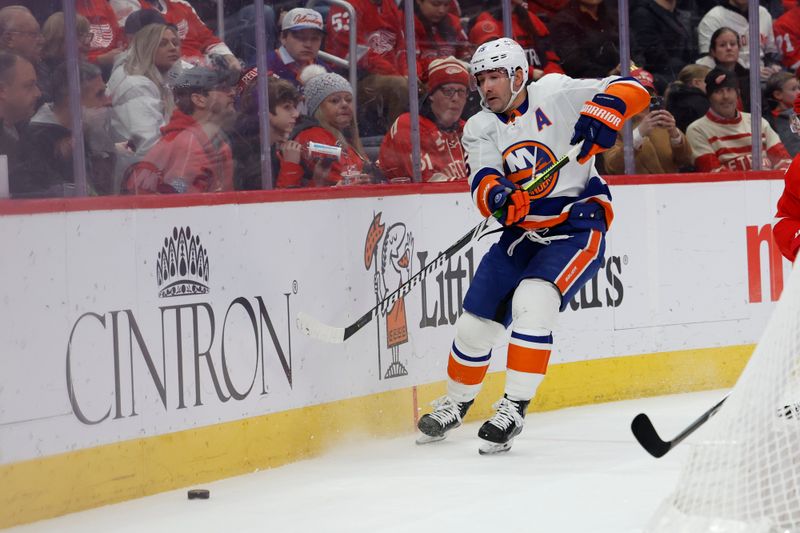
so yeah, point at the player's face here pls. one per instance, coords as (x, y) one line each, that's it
(447, 103)
(434, 10)
(284, 119)
(723, 102)
(302, 45)
(726, 49)
(337, 109)
(495, 87)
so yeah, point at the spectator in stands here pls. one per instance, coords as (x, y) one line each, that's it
(586, 38)
(787, 229)
(44, 167)
(331, 121)
(18, 96)
(545, 10)
(529, 31)
(660, 40)
(285, 154)
(659, 147)
(686, 98)
(141, 101)
(302, 32)
(139, 19)
(440, 128)
(107, 40)
(193, 155)
(383, 78)
(787, 35)
(53, 49)
(197, 40)
(20, 33)
(438, 34)
(724, 52)
(733, 14)
(721, 140)
(781, 92)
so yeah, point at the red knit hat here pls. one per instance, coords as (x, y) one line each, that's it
(446, 70)
(645, 78)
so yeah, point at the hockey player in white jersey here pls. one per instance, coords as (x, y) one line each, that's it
(554, 235)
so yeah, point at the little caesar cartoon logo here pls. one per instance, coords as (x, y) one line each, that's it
(182, 265)
(524, 159)
(391, 270)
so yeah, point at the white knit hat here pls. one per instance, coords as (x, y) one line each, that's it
(317, 86)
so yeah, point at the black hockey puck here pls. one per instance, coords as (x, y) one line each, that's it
(199, 494)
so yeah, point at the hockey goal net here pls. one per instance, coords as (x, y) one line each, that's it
(743, 469)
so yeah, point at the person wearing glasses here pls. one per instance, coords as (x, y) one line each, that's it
(440, 128)
(20, 33)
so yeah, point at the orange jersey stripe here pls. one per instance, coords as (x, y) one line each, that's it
(527, 360)
(582, 259)
(468, 375)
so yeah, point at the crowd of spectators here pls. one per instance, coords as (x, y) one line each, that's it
(170, 102)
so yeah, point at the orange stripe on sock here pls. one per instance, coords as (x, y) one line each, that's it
(579, 264)
(527, 360)
(468, 375)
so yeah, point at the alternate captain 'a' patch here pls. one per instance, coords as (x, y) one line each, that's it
(523, 159)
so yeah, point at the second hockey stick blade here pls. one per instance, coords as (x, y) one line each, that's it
(646, 433)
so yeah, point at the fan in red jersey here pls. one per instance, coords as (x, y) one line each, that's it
(787, 229)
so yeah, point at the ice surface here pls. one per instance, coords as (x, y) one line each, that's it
(575, 470)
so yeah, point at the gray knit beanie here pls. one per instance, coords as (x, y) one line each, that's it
(321, 86)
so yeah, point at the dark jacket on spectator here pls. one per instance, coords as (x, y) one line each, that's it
(780, 120)
(686, 103)
(660, 40)
(588, 48)
(44, 164)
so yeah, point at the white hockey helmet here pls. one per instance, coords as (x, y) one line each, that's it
(503, 53)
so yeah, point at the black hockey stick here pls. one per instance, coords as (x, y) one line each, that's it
(314, 328)
(647, 436)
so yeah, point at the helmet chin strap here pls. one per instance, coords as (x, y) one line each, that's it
(511, 99)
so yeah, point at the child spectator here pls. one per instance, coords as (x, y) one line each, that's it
(787, 35)
(781, 92)
(686, 98)
(440, 128)
(142, 102)
(721, 141)
(283, 114)
(659, 146)
(383, 80)
(44, 167)
(193, 154)
(196, 38)
(586, 38)
(107, 39)
(53, 49)
(302, 31)
(529, 31)
(330, 121)
(725, 52)
(733, 14)
(438, 34)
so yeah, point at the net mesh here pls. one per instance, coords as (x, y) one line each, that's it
(743, 473)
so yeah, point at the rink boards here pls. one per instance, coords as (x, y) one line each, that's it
(149, 343)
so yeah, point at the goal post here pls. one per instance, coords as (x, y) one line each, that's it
(742, 474)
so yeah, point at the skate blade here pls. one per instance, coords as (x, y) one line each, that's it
(493, 448)
(427, 439)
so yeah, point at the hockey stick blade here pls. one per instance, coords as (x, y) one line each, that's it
(648, 437)
(316, 329)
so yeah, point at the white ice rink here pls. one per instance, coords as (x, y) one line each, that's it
(576, 470)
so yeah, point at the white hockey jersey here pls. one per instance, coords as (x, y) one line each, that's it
(533, 139)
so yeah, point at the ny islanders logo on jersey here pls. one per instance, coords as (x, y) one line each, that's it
(522, 160)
